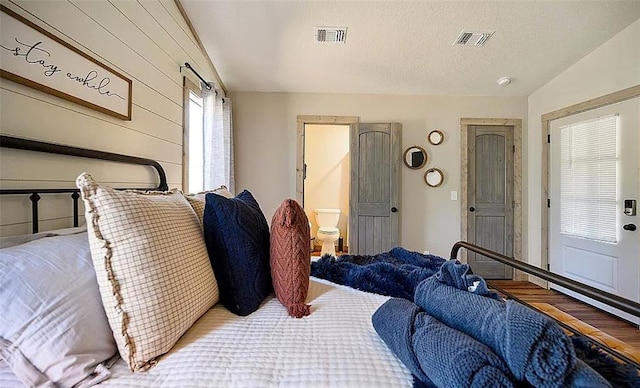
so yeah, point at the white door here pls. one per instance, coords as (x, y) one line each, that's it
(594, 169)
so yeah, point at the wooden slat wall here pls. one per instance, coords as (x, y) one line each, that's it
(144, 40)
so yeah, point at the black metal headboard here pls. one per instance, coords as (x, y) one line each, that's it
(38, 146)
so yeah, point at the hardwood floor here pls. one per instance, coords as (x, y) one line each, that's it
(606, 322)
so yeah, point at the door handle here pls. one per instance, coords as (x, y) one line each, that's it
(472, 209)
(629, 227)
(394, 209)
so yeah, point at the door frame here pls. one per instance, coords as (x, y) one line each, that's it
(517, 183)
(302, 120)
(595, 103)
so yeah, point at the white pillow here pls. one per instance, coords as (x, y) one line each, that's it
(152, 266)
(53, 328)
(11, 241)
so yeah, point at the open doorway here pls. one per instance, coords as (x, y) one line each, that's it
(375, 159)
(323, 177)
(326, 184)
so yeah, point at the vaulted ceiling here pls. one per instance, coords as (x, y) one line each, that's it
(402, 47)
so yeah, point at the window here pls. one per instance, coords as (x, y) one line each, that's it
(589, 169)
(193, 158)
(207, 160)
(196, 151)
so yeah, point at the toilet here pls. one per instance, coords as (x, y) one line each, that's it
(328, 233)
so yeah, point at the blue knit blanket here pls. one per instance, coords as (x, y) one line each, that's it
(395, 273)
(534, 348)
(436, 354)
(398, 272)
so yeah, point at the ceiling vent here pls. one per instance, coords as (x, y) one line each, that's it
(331, 34)
(469, 38)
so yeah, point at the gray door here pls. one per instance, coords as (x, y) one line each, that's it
(375, 186)
(490, 185)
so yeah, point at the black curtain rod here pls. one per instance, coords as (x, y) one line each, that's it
(188, 66)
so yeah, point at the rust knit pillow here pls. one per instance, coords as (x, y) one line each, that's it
(290, 257)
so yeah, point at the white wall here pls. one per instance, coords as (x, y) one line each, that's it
(326, 155)
(613, 66)
(146, 42)
(265, 143)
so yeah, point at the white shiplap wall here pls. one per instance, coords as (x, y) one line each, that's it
(144, 40)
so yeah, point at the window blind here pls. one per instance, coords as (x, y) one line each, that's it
(589, 161)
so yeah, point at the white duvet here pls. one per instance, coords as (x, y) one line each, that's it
(335, 346)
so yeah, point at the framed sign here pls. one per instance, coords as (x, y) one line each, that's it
(34, 57)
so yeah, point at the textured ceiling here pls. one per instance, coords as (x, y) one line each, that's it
(402, 47)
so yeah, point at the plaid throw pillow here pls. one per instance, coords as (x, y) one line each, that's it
(197, 201)
(152, 267)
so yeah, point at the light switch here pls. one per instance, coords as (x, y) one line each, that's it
(454, 195)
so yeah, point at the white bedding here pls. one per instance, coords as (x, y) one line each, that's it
(335, 346)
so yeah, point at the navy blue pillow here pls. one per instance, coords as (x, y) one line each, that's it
(237, 237)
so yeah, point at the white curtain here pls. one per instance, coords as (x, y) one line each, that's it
(218, 140)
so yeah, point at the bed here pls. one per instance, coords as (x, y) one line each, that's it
(334, 344)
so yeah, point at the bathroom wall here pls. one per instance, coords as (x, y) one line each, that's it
(326, 155)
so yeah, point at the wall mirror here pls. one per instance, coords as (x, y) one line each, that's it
(434, 177)
(436, 137)
(415, 157)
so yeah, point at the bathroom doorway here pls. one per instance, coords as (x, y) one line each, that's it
(328, 148)
(375, 151)
(326, 177)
